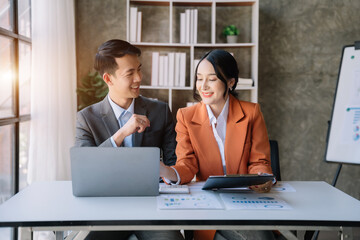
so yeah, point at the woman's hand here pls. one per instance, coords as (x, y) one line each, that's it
(263, 188)
(168, 172)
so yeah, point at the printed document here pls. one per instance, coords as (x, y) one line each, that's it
(188, 201)
(253, 201)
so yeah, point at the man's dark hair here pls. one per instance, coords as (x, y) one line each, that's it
(225, 67)
(108, 51)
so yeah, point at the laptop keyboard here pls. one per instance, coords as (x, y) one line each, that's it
(173, 189)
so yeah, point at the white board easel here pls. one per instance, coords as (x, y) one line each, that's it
(343, 144)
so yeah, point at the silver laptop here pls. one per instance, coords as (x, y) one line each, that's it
(106, 171)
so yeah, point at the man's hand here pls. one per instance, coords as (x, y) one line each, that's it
(137, 123)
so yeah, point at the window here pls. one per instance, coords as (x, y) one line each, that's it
(15, 81)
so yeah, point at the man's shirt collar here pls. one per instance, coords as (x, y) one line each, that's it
(119, 110)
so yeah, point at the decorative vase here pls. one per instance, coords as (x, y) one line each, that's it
(232, 38)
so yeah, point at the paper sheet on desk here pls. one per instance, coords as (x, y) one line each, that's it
(253, 201)
(282, 187)
(188, 201)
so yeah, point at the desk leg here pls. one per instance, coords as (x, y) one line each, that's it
(288, 234)
(59, 235)
(346, 233)
(25, 233)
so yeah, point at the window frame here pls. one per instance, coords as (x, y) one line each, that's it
(17, 118)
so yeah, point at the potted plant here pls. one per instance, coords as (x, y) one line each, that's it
(92, 90)
(231, 32)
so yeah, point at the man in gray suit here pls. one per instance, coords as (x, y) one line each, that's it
(125, 119)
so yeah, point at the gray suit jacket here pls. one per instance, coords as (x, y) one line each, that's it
(97, 123)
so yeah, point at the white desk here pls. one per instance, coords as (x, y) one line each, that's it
(51, 205)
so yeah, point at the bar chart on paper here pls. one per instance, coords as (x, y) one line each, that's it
(253, 201)
(188, 201)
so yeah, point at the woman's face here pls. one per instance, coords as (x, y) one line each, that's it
(210, 87)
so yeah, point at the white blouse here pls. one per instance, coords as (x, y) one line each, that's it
(219, 129)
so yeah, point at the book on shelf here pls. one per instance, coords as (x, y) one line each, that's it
(166, 71)
(135, 25)
(155, 69)
(138, 27)
(177, 70)
(182, 70)
(195, 30)
(245, 82)
(182, 28)
(161, 71)
(191, 30)
(171, 76)
(189, 26)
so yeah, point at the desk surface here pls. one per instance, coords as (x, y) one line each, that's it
(52, 204)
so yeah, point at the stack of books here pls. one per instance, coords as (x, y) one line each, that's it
(189, 26)
(168, 70)
(245, 82)
(135, 25)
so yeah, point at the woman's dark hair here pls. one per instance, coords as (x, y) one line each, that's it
(108, 51)
(225, 67)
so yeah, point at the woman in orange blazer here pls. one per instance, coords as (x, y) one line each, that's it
(245, 147)
(220, 135)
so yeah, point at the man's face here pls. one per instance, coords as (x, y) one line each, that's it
(125, 82)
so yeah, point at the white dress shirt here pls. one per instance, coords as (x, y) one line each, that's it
(122, 115)
(219, 129)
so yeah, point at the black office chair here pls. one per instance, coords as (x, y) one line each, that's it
(274, 156)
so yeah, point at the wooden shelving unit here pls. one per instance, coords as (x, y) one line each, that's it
(246, 53)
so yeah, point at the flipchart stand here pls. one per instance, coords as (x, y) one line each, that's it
(347, 232)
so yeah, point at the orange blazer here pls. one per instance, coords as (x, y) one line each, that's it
(247, 148)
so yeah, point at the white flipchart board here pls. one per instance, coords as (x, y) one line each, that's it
(344, 136)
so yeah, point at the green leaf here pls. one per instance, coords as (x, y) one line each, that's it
(230, 30)
(92, 90)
